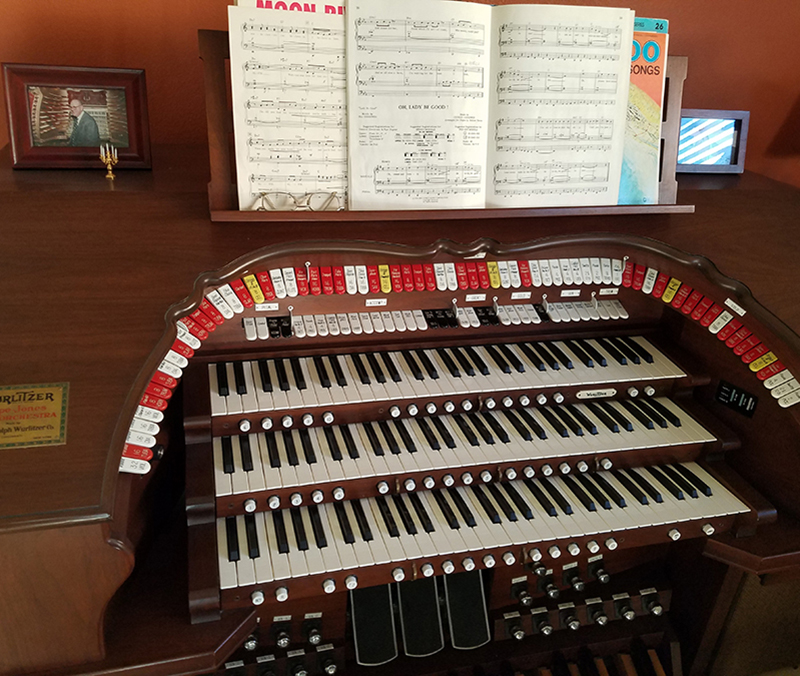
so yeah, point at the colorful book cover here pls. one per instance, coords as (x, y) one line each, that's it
(641, 159)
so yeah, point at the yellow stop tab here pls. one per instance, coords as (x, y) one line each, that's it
(671, 290)
(494, 274)
(386, 278)
(763, 361)
(254, 288)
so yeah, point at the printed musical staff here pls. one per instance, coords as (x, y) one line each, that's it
(520, 177)
(428, 178)
(397, 35)
(526, 134)
(524, 36)
(419, 80)
(290, 39)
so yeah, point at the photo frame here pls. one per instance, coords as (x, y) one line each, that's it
(712, 141)
(59, 116)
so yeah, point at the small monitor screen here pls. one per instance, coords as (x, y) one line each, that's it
(707, 141)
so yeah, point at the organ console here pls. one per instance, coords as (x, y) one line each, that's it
(404, 458)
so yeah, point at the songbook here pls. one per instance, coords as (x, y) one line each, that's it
(641, 161)
(464, 105)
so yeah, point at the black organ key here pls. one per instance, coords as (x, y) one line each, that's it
(280, 532)
(554, 422)
(528, 350)
(645, 485)
(497, 428)
(333, 443)
(338, 373)
(637, 348)
(594, 491)
(547, 357)
(405, 436)
(612, 351)
(602, 416)
(405, 515)
(420, 617)
(630, 486)
(535, 427)
(388, 517)
(377, 371)
(520, 502)
(299, 528)
(444, 433)
(272, 450)
(394, 374)
(576, 413)
(289, 447)
(594, 353)
(308, 447)
(586, 663)
(387, 434)
(475, 358)
(609, 490)
(344, 522)
(580, 353)
(676, 492)
(466, 430)
(512, 359)
(372, 437)
(703, 487)
(579, 493)
(679, 479)
(650, 412)
(623, 422)
(316, 526)
(297, 372)
(421, 512)
(559, 354)
(502, 364)
(462, 507)
(447, 512)
(663, 410)
(491, 512)
(238, 377)
(638, 414)
(416, 371)
(630, 354)
(640, 658)
(501, 501)
(430, 437)
(222, 379)
(568, 420)
(463, 361)
(232, 538)
(447, 360)
(280, 372)
(266, 379)
(477, 423)
(349, 442)
(247, 454)
(543, 500)
(372, 614)
(518, 425)
(361, 520)
(560, 499)
(227, 455)
(253, 550)
(322, 372)
(466, 606)
(427, 364)
(361, 371)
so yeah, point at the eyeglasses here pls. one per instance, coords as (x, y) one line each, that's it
(311, 201)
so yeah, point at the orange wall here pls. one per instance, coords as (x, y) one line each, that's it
(743, 55)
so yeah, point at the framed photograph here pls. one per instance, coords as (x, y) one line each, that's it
(59, 116)
(712, 141)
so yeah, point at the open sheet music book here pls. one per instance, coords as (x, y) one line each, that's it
(449, 104)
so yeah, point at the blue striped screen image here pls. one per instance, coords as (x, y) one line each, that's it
(707, 141)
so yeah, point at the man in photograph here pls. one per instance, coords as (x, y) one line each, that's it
(84, 128)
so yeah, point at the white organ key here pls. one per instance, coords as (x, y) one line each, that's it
(469, 534)
(305, 474)
(288, 472)
(233, 401)
(605, 269)
(249, 398)
(398, 321)
(441, 277)
(377, 546)
(264, 399)
(586, 270)
(344, 324)
(290, 280)
(321, 325)
(272, 475)
(419, 318)
(347, 553)
(361, 547)
(408, 542)
(256, 477)
(297, 557)
(547, 278)
(329, 553)
(239, 482)
(451, 277)
(222, 481)
(249, 324)
(314, 555)
(448, 539)
(378, 462)
(649, 280)
(513, 271)
(277, 283)
(566, 271)
(263, 564)
(410, 321)
(245, 569)
(322, 448)
(281, 569)
(597, 270)
(216, 299)
(555, 272)
(362, 280)
(227, 569)
(310, 325)
(333, 325)
(364, 392)
(393, 545)
(366, 322)
(489, 535)
(350, 282)
(505, 277)
(536, 275)
(355, 323)
(280, 397)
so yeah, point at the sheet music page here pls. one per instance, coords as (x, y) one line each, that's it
(289, 102)
(417, 93)
(559, 101)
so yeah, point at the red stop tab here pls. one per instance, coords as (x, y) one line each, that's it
(483, 275)
(639, 272)
(627, 275)
(203, 319)
(183, 349)
(301, 276)
(711, 315)
(207, 311)
(755, 353)
(525, 273)
(472, 275)
(138, 452)
(396, 277)
(242, 293)
(746, 345)
(161, 378)
(430, 276)
(461, 276)
(681, 296)
(374, 279)
(661, 283)
(408, 277)
(419, 277)
(339, 285)
(266, 285)
(729, 328)
(701, 308)
(153, 402)
(738, 337)
(691, 301)
(194, 328)
(326, 279)
(772, 370)
(159, 391)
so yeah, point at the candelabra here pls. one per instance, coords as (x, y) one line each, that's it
(108, 156)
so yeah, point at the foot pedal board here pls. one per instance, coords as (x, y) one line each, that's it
(466, 610)
(420, 617)
(373, 625)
